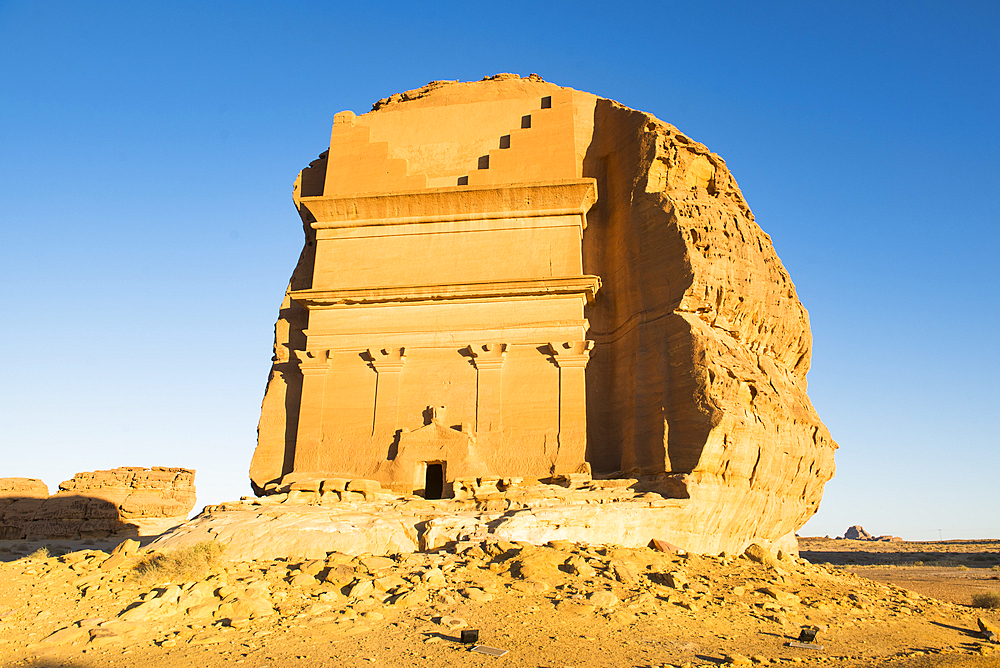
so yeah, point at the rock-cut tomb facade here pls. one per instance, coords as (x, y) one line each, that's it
(516, 282)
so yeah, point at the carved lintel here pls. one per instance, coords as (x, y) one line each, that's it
(388, 359)
(586, 286)
(488, 355)
(313, 361)
(568, 354)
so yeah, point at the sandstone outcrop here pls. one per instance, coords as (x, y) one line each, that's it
(580, 285)
(124, 501)
(16, 488)
(11, 488)
(857, 532)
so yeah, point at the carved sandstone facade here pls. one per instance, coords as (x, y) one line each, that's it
(508, 278)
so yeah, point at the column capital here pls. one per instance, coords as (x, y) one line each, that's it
(488, 355)
(313, 361)
(387, 359)
(569, 354)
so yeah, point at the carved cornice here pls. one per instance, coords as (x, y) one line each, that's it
(570, 354)
(538, 287)
(313, 361)
(387, 360)
(488, 355)
(435, 205)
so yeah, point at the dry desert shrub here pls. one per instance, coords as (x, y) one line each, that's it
(40, 553)
(989, 599)
(943, 562)
(188, 563)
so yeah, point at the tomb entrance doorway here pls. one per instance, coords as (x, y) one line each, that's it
(434, 480)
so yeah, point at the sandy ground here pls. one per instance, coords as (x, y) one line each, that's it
(555, 607)
(952, 570)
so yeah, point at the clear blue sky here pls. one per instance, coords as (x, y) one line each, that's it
(147, 152)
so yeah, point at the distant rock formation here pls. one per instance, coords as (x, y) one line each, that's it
(857, 532)
(127, 501)
(583, 287)
(11, 488)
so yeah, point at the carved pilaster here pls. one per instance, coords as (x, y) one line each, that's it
(388, 364)
(489, 359)
(571, 357)
(314, 365)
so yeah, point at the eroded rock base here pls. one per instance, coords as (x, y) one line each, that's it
(315, 517)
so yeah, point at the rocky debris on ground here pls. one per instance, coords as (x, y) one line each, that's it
(857, 532)
(106, 602)
(124, 501)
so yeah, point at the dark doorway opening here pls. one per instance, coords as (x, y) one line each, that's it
(434, 485)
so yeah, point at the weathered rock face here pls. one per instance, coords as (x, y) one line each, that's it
(349, 517)
(705, 380)
(443, 251)
(124, 501)
(309, 517)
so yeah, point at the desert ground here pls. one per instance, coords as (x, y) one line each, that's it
(876, 604)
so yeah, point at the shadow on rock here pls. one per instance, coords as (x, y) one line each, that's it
(972, 633)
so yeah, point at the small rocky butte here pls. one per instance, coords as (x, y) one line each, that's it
(530, 312)
(125, 502)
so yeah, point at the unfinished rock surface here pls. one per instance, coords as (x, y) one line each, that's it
(580, 285)
(127, 501)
